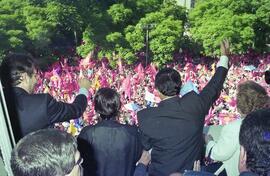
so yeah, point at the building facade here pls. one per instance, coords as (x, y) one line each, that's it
(187, 3)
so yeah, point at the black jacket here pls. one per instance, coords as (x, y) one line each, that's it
(174, 129)
(31, 112)
(109, 149)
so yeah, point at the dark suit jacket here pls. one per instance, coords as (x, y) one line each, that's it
(174, 129)
(109, 149)
(31, 112)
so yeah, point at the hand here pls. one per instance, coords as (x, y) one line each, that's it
(145, 158)
(225, 47)
(84, 83)
(208, 138)
(197, 166)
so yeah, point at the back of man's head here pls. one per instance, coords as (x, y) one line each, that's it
(168, 82)
(48, 152)
(255, 138)
(13, 65)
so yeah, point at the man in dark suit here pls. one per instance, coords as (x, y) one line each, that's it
(30, 112)
(173, 130)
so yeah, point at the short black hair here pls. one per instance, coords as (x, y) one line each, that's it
(107, 103)
(168, 82)
(255, 138)
(13, 65)
(46, 152)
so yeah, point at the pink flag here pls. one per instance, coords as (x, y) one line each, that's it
(103, 81)
(140, 71)
(126, 86)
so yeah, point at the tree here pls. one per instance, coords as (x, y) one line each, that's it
(87, 44)
(213, 20)
(66, 17)
(119, 14)
(262, 25)
(39, 28)
(12, 30)
(165, 33)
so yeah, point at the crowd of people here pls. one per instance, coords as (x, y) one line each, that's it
(135, 84)
(151, 117)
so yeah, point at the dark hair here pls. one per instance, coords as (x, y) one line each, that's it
(168, 82)
(255, 138)
(47, 152)
(267, 76)
(13, 65)
(107, 103)
(251, 96)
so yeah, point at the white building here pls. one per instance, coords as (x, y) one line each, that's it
(186, 3)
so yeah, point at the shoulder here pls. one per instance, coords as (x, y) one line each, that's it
(232, 129)
(190, 96)
(234, 124)
(35, 98)
(145, 111)
(86, 131)
(133, 128)
(81, 96)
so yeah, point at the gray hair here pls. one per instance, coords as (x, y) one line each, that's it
(47, 152)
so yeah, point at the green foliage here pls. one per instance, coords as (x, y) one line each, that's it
(119, 13)
(147, 6)
(213, 20)
(165, 32)
(66, 16)
(165, 39)
(12, 30)
(88, 43)
(262, 25)
(120, 26)
(39, 28)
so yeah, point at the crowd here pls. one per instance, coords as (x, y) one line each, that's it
(151, 117)
(135, 84)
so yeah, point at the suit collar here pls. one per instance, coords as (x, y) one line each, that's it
(108, 122)
(171, 100)
(19, 91)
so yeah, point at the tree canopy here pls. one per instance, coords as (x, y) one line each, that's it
(122, 26)
(240, 21)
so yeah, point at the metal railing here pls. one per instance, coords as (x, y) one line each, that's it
(7, 141)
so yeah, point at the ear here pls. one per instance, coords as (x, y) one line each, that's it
(23, 78)
(242, 160)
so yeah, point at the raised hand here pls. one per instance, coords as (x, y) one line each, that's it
(225, 47)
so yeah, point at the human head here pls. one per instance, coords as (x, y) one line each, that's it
(254, 139)
(168, 82)
(47, 152)
(19, 70)
(107, 103)
(250, 97)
